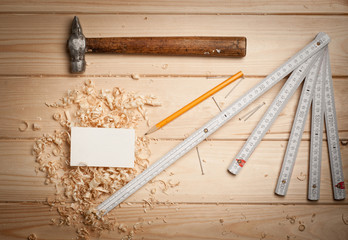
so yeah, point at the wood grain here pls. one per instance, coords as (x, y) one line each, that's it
(22, 99)
(36, 44)
(170, 46)
(182, 7)
(34, 69)
(194, 221)
(254, 184)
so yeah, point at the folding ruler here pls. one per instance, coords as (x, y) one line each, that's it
(304, 58)
(317, 90)
(323, 104)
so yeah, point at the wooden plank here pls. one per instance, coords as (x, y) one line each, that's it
(35, 44)
(24, 98)
(23, 181)
(190, 221)
(254, 184)
(181, 7)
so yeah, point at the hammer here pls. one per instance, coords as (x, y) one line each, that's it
(78, 45)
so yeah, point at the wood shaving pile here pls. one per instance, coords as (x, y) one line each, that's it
(80, 189)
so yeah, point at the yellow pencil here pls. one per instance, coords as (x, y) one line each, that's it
(195, 102)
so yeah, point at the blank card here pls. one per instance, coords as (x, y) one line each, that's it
(102, 147)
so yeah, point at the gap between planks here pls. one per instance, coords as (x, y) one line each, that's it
(180, 13)
(130, 75)
(166, 203)
(140, 75)
(5, 139)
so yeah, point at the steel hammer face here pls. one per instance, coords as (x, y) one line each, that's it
(77, 48)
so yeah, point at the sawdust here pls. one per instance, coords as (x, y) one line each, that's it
(80, 189)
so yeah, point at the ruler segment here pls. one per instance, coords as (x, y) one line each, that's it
(152, 171)
(272, 113)
(336, 168)
(317, 124)
(297, 129)
(219, 120)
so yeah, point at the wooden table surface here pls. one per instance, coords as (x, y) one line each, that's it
(34, 69)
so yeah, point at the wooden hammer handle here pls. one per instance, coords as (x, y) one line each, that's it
(174, 46)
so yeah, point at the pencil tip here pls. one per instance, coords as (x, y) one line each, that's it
(151, 130)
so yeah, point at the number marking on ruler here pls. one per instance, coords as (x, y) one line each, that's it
(198, 136)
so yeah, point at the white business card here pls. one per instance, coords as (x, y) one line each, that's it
(102, 147)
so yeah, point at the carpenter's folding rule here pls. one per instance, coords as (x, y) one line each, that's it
(304, 64)
(318, 91)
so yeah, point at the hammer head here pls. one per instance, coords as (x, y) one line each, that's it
(77, 48)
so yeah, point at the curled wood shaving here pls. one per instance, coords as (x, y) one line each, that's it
(82, 232)
(138, 226)
(172, 185)
(32, 236)
(302, 177)
(57, 116)
(146, 201)
(36, 127)
(122, 228)
(24, 126)
(165, 186)
(292, 219)
(345, 219)
(135, 76)
(80, 189)
(67, 115)
(301, 227)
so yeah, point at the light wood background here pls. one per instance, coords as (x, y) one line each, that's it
(34, 70)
